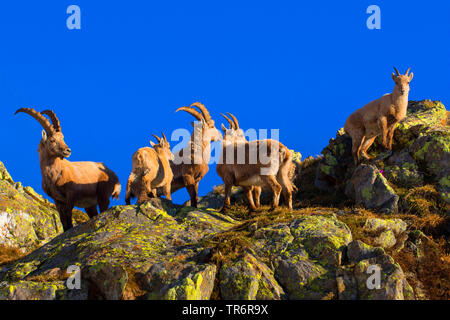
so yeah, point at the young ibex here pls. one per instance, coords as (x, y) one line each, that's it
(69, 184)
(151, 170)
(236, 134)
(379, 117)
(191, 163)
(253, 175)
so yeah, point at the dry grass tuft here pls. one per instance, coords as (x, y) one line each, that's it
(133, 289)
(230, 244)
(423, 201)
(10, 254)
(51, 276)
(432, 270)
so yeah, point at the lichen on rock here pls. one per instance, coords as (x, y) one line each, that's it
(249, 279)
(370, 189)
(371, 275)
(129, 239)
(421, 152)
(26, 219)
(159, 250)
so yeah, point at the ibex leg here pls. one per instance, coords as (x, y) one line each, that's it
(65, 214)
(257, 195)
(276, 188)
(249, 196)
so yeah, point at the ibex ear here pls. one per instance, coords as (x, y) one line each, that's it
(152, 143)
(393, 76)
(224, 129)
(44, 135)
(411, 75)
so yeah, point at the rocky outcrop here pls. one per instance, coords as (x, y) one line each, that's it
(423, 118)
(432, 153)
(370, 189)
(313, 247)
(162, 251)
(249, 279)
(159, 246)
(402, 170)
(26, 219)
(388, 232)
(372, 275)
(421, 153)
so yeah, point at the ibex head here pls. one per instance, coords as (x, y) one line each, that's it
(234, 133)
(209, 130)
(52, 138)
(163, 146)
(402, 81)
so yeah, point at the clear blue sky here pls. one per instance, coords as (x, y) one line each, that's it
(300, 66)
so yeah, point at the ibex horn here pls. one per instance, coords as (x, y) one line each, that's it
(40, 118)
(235, 121)
(232, 126)
(396, 71)
(197, 115)
(407, 71)
(203, 109)
(157, 138)
(53, 118)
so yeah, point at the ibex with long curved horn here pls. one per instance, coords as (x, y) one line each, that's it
(191, 163)
(151, 170)
(252, 176)
(70, 184)
(379, 117)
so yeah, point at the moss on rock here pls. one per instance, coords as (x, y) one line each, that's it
(248, 279)
(27, 220)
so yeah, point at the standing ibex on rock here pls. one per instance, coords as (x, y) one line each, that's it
(250, 171)
(69, 184)
(236, 134)
(379, 117)
(191, 163)
(151, 170)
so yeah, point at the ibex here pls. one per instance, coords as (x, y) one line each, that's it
(251, 171)
(151, 170)
(69, 184)
(379, 117)
(191, 163)
(236, 134)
